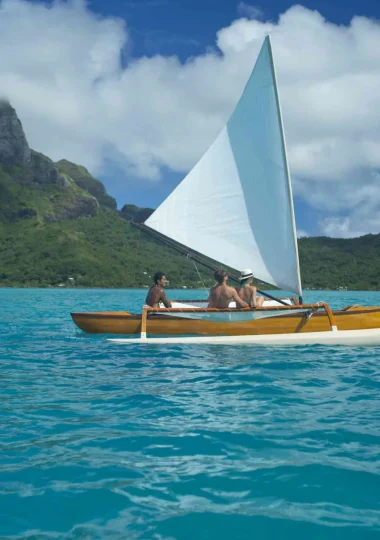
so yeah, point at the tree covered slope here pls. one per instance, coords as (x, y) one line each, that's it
(58, 222)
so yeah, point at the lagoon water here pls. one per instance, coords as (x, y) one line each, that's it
(99, 440)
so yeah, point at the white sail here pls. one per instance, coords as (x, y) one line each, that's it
(235, 205)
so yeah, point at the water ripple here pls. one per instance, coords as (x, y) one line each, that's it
(98, 441)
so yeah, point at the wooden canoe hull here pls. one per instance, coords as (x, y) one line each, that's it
(357, 318)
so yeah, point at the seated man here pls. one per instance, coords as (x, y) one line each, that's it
(156, 293)
(221, 294)
(247, 291)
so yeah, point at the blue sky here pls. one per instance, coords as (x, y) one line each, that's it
(187, 27)
(92, 117)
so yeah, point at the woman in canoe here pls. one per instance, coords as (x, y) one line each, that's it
(247, 291)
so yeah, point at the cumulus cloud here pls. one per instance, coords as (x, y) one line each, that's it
(61, 68)
(363, 198)
(249, 11)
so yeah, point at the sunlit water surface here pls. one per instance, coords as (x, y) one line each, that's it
(99, 440)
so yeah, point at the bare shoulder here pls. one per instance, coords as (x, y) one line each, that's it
(156, 291)
(230, 290)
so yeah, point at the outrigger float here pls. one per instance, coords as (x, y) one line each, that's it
(236, 207)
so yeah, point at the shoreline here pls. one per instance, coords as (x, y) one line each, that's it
(271, 291)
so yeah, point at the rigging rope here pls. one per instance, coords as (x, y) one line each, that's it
(199, 275)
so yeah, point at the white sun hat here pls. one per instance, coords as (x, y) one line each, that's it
(245, 274)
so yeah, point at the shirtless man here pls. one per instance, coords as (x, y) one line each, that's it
(221, 294)
(247, 291)
(156, 293)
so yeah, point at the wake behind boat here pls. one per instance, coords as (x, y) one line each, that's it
(236, 207)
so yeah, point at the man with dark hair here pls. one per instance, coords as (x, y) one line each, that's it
(156, 293)
(221, 294)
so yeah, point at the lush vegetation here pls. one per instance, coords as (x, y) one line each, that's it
(21, 197)
(103, 251)
(84, 180)
(59, 226)
(336, 262)
(107, 251)
(57, 222)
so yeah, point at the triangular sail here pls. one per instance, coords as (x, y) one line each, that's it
(235, 205)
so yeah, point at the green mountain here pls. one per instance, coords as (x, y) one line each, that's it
(336, 262)
(58, 226)
(58, 222)
(88, 183)
(134, 213)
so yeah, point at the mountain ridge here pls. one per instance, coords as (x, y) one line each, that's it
(58, 222)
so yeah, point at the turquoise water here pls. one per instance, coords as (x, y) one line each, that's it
(99, 440)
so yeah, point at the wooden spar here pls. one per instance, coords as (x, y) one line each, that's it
(143, 323)
(285, 157)
(178, 247)
(331, 317)
(195, 257)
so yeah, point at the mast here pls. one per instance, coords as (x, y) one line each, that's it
(289, 183)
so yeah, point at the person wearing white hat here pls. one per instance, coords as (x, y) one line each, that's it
(247, 291)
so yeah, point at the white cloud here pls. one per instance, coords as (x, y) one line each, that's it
(249, 11)
(60, 67)
(363, 200)
(336, 227)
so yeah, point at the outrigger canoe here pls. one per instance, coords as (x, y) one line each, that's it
(309, 323)
(236, 207)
